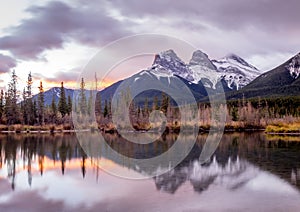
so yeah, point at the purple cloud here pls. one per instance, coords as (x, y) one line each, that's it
(6, 63)
(245, 27)
(57, 22)
(62, 76)
(227, 14)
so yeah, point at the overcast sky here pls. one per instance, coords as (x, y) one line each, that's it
(55, 39)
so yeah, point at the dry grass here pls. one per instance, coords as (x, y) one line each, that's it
(281, 127)
(3, 128)
(18, 128)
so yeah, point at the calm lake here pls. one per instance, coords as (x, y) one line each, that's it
(249, 172)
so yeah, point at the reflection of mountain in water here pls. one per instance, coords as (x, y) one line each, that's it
(234, 174)
(279, 156)
(238, 159)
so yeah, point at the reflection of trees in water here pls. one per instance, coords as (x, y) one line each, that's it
(279, 155)
(30, 148)
(139, 150)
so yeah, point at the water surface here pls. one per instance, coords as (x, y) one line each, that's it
(249, 172)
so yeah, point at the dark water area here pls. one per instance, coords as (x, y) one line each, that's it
(248, 172)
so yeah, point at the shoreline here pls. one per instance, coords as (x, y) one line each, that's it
(19, 129)
(110, 131)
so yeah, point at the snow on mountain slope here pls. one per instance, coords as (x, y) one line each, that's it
(294, 66)
(167, 63)
(233, 69)
(203, 69)
(236, 71)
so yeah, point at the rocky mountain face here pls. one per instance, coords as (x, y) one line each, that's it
(236, 71)
(283, 80)
(232, 69)
(294, 66)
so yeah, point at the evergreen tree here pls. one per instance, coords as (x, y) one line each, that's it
(41, 104)
(155, 103)
(105, 110)
(1, 105)
(53, 109)
(90, 102)
(82, 98)
(164, 103)
(69, 105)
(27, 102)
(23, 108)
(34, 111)
(62, 104)
(98, 106)
(6, 107)
(234, 114)
(11, 106)
(146, 107)
(29, 84)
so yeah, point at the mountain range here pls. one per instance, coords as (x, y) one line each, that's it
(202, 75)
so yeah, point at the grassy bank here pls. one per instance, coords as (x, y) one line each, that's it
(275, 127)
(18, 128)
(286, 128)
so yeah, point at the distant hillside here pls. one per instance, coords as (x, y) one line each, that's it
(283, 80)
(48, 95)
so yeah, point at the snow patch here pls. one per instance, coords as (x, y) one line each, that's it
(294, 67)
(235, 71)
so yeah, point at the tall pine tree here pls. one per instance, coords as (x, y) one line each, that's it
(11, 106)
(1, 105)
(82, 104)
(62, 104)
(53, 109)
(27, 102)
(41, 104)
(69, 105)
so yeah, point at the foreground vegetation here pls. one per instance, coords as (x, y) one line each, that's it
(292, 128)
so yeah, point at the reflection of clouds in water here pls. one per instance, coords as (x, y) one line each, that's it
(237, 185)
(228, 184)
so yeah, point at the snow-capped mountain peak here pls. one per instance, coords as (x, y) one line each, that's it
(294, 66)
(233, 58)
(169, 63)
(200, 58)
(232, 69)
(236, 71)
(168, 55)
(203, 69)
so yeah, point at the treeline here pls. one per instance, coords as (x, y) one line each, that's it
(241, 113)
(21, 108)
(261, 112)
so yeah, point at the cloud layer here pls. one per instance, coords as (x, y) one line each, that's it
(6, 63)
(56, 23)
(251, 29)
